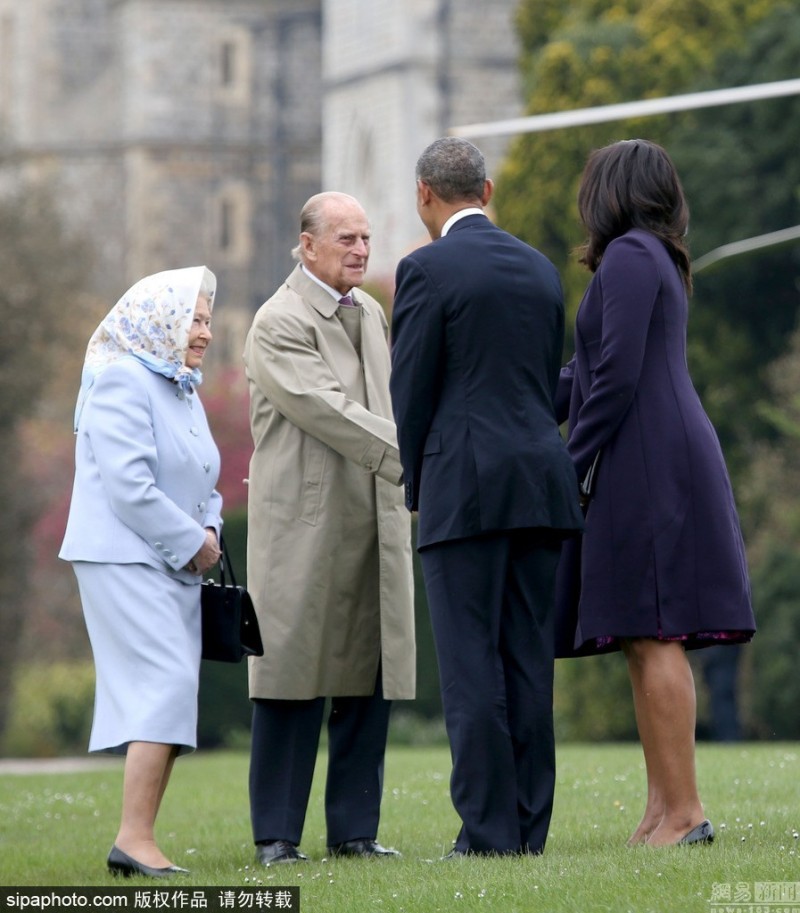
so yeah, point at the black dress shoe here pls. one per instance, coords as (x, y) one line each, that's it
(278, 852)
(454, 854)
(120, 863)
(703, 833)
(361, 847)
(460, 854)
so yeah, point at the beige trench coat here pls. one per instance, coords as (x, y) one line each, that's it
(329, 550)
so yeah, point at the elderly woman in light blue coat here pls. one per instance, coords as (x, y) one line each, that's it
(143, 527)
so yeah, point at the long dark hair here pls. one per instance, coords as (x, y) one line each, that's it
(633, 184)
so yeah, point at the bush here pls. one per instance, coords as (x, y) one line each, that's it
(592, 701)
(774, 696)
(413, 728)
(224, 705)
(51, 709)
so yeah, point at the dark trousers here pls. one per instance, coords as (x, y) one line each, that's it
(491, 606)
(285, 741)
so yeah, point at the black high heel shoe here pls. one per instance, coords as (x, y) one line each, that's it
(120, 863)
(703, 833)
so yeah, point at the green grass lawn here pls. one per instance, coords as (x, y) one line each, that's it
(56, 830)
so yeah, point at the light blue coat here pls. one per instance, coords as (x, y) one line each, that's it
(146, 467)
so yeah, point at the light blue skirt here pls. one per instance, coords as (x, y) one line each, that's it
(144, 628)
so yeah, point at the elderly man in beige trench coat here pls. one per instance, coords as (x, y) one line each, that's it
(329, 554)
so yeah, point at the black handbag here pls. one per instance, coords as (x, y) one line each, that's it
(229, 623)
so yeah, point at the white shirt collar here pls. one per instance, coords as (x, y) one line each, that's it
(472, 211)
(331, 291)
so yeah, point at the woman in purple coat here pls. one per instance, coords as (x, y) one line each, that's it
(661, 566)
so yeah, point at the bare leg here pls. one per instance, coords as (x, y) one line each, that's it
(654, 809)
(665, 702)
(148, 766)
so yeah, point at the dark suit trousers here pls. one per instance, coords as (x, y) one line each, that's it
(285, 742)
(491, 606)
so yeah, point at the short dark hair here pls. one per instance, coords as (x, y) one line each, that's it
(454, 169)
(633, 184)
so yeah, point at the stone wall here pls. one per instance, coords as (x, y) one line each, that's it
(186, 131)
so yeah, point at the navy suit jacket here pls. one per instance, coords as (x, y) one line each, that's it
(477, 336)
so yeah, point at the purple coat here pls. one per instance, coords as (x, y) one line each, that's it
(662, 551)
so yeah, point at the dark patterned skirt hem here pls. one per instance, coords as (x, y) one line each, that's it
(693, 641)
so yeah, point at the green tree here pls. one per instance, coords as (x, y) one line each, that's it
(741, 172)
(590, 52)
(43, 271)
(738, 163)
(743, 180)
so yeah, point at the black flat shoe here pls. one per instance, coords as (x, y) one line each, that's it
(278, 852)
(120, 863)
(361, 847)
(703, 833)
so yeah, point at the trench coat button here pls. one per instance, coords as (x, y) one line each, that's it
(207, 467)
(158, 544)
(193, 430)
(201, 506)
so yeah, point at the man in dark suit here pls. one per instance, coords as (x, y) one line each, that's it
(477, 335)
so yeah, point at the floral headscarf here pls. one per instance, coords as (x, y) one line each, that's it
(151, 323)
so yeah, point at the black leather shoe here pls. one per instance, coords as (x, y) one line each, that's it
(361, 847)
(460, 854)
(120, 863)
(703, 833)
(454, 854)
(278, 852)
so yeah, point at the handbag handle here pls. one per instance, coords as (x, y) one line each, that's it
(225, 559)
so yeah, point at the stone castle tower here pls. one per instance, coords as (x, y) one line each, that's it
(397, 75)
(176, 132)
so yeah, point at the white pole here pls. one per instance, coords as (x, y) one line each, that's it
(745, 246)
(645, 108)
